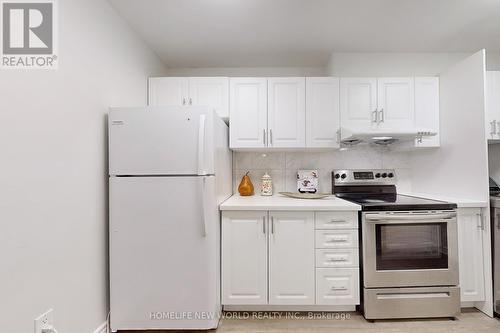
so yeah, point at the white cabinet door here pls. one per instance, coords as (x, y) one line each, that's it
(396, 103)
(322, 112)
(248, 112)
(338, 286)
(212, 92)
(287, 112)
(291, 258)
(166, 91)
(427, 110)
(358, 103)
(493, 105)
(244, 257)
(470, 251)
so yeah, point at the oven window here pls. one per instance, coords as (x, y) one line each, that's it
(411, 246)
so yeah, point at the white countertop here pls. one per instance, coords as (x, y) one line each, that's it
(461, 202)
(281, 202)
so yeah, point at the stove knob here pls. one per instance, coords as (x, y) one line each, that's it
(384, 175)
(337, 176)
(343, 176)
(377, 175)
(390, 175)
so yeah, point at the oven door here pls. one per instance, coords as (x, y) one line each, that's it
(409, 249)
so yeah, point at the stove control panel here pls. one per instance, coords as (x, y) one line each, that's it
(364, 177)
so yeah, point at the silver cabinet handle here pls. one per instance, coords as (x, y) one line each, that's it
(271, 136)
(338, 136)
(264, 225)
(190, 101)
(337, 260)
(338, 288)
(272, 225)
(382, 116)
(493, 125)
(497, 124)
(481, 221)
(337, 221)
(337, 240)
(264, 137)
(375, 116)
(184, 101)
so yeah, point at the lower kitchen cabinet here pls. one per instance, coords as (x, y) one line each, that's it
(282, 258)
(291, 258)
(337, 286)
(244, 258)
(471, 226)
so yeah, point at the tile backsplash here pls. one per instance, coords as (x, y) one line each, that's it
(283, 166)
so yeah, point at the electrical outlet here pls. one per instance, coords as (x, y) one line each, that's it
(44, 321)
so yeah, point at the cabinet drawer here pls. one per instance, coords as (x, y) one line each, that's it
(337, 258)
(339, 286)
(336, 239)
(336, 220)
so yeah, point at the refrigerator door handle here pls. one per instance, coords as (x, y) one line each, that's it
(201, 147)
(203, 208)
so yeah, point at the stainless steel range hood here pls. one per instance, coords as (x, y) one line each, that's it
(350, 137)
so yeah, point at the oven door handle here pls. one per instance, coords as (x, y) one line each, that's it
(419, 218)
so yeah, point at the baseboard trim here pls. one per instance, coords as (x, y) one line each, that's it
(298, 308)
(103, 328)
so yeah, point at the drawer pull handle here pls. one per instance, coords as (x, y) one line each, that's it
(338, 240)
(336, 260)
(337, 221)
(338, 288)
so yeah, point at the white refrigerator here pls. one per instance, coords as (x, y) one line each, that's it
(169, 169)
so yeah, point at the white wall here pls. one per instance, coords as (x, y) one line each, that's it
(248, 71)
(459, 167)
(391, 64)
(53, 183)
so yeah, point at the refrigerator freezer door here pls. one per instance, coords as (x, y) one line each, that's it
(161, 141)
(164, 266)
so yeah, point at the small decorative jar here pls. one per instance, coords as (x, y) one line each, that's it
(267, 185)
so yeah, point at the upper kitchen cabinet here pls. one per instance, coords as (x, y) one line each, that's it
(396, 103)
(427, 110)
(248, 113)
(211, 91)
(198, 91)
(370, 104)
(322, 112)
(358, 103)
(492, 105)
(165, 91)
(286, 112)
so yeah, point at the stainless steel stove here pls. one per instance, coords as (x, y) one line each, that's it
(409, 248)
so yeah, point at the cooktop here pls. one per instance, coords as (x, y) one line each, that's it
(396, 202)
(375, 190)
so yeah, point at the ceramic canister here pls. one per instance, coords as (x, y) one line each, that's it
(267, 185)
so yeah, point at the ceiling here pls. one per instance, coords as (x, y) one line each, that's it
(253, 33)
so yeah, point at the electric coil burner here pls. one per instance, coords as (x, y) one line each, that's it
(409, 248)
